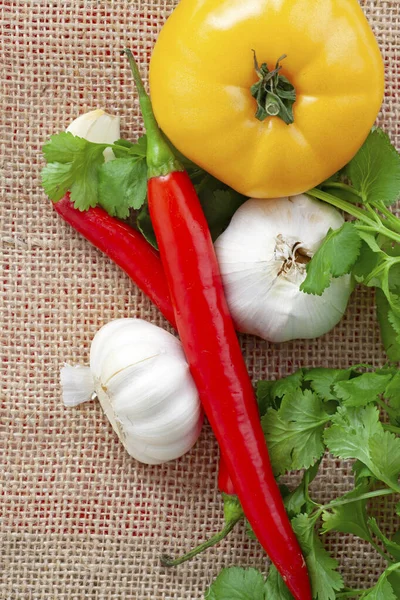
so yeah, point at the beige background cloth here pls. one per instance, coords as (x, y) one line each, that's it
(79, 517)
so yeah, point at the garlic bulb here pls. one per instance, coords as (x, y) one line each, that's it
(139, 373)
(263, 256)
(99, 127)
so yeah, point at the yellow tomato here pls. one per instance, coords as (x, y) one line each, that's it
(202, 70)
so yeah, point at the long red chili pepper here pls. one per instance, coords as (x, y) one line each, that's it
(126, 247)
(212, 349)
(130, 251)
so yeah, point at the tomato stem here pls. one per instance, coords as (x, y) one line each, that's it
(274, 93)
(160, 158)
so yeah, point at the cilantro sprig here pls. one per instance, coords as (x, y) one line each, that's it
(304, 416)
(114, 176)
(369, 246)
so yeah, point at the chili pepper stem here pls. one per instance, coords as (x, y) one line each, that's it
(167, 561)
(160, 158)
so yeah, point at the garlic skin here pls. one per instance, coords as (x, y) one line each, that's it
(142, 380)
(99, 127)
(262, 257)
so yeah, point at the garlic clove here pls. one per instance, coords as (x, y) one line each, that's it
(77, 385)
(99, 127)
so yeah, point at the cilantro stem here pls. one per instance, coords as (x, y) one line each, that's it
(349, 593)
(392, 219)
(343, 186)
(371, 224)
(366, 496)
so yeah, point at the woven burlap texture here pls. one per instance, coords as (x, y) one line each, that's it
(79, 517)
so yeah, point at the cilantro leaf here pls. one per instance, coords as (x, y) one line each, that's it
(275, 587)
(63, 147)
(383, 590)
(138, 149)
(57, 179)
(389, 335)
(236, 583)
(335, 257)
(289, 386)
(145, 226)
(392, 393)
(391, 545)
(325, 579)
(265, 397)
(122, 185)
(219, 203)
(297, 501)
(358, 433)
(375, 169)
(73, 164)
(349, 518)
(362, 390)
(322, 380)
(384, 449)
(294, 432)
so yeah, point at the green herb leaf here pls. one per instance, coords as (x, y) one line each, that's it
(73, 164)
(265, 397)
(336, 256)
(145, 226)
(358, 433)
(390, 337)
(392, 394)
(391, 545)
(219, 203)
(138, 149)
(236, 583)
(383, 590)
(122, 185)
(349, 518)
(362, 390)
(323, 380)
(275, 587)
(294, 432)
(375, 170)
(325, 579)
(297, 501)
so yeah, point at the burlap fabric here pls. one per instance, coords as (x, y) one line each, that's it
(79, 517)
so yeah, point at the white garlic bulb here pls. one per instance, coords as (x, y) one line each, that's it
(99, 127)
(139, 373)
(262, 257)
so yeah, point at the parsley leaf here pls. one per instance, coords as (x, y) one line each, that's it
(335, 257)
(349, 518)
(122, 185)
(294, 432)
(358, 433)
(325, 579)
(375, 170)
(236, 583)
(362, 390)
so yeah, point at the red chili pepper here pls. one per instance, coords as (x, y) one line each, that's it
(126, 247)
(212, 349)
(130, 251)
